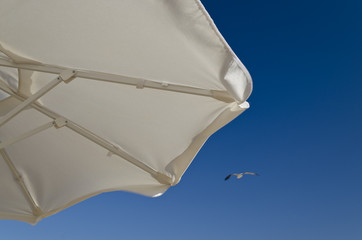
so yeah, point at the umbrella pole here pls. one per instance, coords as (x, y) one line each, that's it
(65, 76)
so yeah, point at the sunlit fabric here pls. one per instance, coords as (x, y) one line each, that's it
(142, 85)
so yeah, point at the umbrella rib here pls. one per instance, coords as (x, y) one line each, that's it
(29, 101)
(162, 178)
(63, 76)
(134, 81)
(19, 179)
(26, 134)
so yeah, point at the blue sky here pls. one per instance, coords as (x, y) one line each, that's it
(303, 134)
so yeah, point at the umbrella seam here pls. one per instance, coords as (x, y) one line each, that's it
(20, 181)
(222, 39)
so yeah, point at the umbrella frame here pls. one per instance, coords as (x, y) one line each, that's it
(67, 75)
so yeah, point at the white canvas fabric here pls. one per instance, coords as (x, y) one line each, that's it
(112, 95)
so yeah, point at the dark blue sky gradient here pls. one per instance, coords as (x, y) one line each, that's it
(303, 134)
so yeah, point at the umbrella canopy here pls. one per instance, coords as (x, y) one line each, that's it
(101, 96)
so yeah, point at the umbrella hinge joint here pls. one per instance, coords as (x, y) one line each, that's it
(67, 75)
(140, 83)
(60, 122)
(19, 178)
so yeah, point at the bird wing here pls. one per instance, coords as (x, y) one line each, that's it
(251, 173)
(228, 176)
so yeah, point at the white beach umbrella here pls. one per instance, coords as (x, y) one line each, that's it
(101, 96)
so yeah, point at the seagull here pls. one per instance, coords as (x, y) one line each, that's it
(240, 175)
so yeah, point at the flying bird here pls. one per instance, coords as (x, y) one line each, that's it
(240, 175)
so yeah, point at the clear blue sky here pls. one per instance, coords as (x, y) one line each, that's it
(303, 134)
